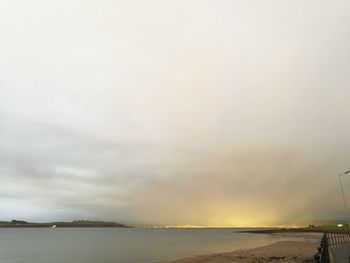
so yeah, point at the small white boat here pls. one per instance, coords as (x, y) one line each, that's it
(54, 226)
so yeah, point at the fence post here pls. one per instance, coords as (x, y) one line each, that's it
(322, 254)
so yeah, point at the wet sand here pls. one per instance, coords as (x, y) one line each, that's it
(290, 247)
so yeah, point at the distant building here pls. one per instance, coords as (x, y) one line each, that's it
(311, 227)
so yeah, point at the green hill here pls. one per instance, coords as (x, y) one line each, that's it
(75, 223)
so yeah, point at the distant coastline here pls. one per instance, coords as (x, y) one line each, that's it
(309, 229)
(282, 230)
(75, 223)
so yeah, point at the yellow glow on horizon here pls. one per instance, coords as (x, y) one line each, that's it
(226, 226)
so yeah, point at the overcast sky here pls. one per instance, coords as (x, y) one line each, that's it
(202, 112)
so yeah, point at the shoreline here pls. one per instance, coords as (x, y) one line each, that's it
(289, 247)
(282, 230)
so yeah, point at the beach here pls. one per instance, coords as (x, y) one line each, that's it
(289, 247)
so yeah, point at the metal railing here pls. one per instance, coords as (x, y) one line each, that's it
(322, 255)
(336, 239)
(331, 239)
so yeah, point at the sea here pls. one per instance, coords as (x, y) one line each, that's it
(120, 245)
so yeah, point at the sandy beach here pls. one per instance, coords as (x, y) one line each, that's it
(290, 247)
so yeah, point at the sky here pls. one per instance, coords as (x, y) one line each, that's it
(196, 112)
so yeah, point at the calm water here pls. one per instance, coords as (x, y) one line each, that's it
(118, 245)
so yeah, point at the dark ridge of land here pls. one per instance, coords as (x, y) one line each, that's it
(76, 223)
(280, 230)
(313, 229)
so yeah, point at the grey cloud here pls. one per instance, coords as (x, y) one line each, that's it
(187, 112)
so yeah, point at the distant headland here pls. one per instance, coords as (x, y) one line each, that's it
(75, 223)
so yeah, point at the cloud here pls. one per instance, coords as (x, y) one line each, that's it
(203, 113)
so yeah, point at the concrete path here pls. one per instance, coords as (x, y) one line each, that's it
(341, 254)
